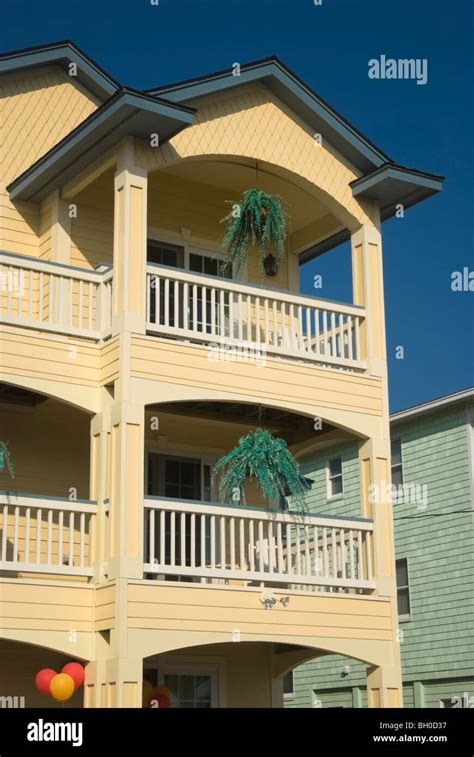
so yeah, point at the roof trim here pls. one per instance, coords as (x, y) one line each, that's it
(312, 108)
(127, 112)
(90, 74)
(448, 399)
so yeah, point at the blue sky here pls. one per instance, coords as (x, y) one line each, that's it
(428, 127)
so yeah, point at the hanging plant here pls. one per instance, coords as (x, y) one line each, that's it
(258, 220)
(5, 459)
(266, 458)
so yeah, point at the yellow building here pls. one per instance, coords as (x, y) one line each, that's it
(128, 366)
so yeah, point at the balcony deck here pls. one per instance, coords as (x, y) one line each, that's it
(194, 541)
(185, 307)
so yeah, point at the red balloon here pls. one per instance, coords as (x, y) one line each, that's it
(43, 679)
(159, 700)
(76, 671)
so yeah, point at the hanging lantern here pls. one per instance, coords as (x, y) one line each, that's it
(270, 264)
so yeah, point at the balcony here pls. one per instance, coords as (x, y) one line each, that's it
(186, 307)
(206, 309)
(57, 298)
(46, 535)
(196, 541)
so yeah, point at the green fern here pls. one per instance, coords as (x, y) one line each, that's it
(266, 458)
(258, 220)
(5, 459)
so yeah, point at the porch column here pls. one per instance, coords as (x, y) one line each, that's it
(99, 486)
(367, 277)
(126, 490)
(374, 456)
(112, 683)
(384, 686)
(130, 235)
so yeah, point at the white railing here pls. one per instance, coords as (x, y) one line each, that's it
(213, 310)
(54, 297)
(46, 534)
(205, 541)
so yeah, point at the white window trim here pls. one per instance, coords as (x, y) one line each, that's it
(216, 667)
(206, 459)
(407, 616)
(192, 244)
(329, 494)
(400, 464)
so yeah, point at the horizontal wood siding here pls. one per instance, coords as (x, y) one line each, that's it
(275, 382)
(438, 542)
(210, 609)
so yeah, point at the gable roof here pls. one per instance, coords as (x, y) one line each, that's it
(295, 93)
(63, 53)
(129, 111)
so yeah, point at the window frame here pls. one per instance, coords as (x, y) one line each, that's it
(290, 694)
(330, 479)
(405, 616)
(397, 465)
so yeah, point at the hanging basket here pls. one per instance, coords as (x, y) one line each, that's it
(266, 458)
(259, 220)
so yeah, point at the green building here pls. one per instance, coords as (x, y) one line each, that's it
(432, 467)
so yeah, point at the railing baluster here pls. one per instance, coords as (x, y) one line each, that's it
(176, 305)
(193, 540)
(222, 558)
(81, 304)
(16, 525)
(173, 539)
(39, 515)
(49, 537)
(213, 541)
(60, 537)
(232, 543)
(71, 540)
(82, 531)
(252, 546)
(27, 535)
(213, 311)
(4, 532)
(182, 549)
(151, 537)
(249, 319)
(158, 281)
(281, 562)
(162, 555)
(243, 563)
(289, 550)
(166, 303)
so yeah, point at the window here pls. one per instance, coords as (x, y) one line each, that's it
(397, 470)
(334, 474)
(288, 691)
(403, 592)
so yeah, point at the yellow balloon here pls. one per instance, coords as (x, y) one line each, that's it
(61, 687)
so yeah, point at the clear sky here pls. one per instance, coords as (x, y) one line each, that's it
(329, 45)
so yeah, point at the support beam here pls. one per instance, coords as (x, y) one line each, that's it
(367, 278)
(130, 236)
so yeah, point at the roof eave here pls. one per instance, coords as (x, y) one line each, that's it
(128, 113)
(94, 78)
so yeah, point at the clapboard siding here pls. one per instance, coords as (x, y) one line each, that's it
(275, 382)
(438, 542)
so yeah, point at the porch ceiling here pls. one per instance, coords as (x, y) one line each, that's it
(293, 428)
(15, 395)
